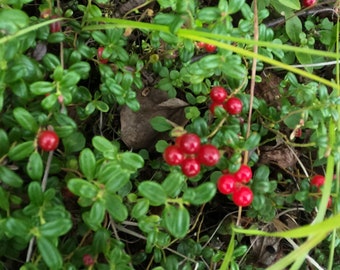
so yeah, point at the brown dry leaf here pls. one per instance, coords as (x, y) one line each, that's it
(136, 130)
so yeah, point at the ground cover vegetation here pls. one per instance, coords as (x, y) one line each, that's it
(169, 134)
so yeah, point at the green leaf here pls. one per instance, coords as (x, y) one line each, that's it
(305, 59)
(261, 174)
(4, 143)
(71, 78)
(17, 227)
(21, 151)
(35, 193)
(4, 202)
(87, 163)
(101, 239)
(235, 6)
(101, 106)
(41, 88)
(209, 14)
(293, 27)
(35, 167)
(10, 26)
(160, 123)
(173, 183)
(176, 220)
(252, 142)
(48, 102)
(10, 178)
(201, 194)
(115, 207)
(74, 142)
(103, 145)
(293, 4)
(56, 227)
(131, 161)
(114, 178)
(49, 253)
(82, 68)
(51, 61)
(82, 188)
(152, 191)
(25, 119)
(140, 209)
(96, 215)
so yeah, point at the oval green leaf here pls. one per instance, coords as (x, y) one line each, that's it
(35, 167)
(152, 191)
(25, 119)
(21, 151)
(87, 163)
(176, 220)
(173, 183)
(35, 193)
(82, 188)
(201, 194)
(115, 207)
(49, 253)
(9, 177)
(56, 227)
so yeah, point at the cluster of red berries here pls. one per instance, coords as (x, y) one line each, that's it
(209, 48)
(219, 97)
(235, 184)
(190, 154)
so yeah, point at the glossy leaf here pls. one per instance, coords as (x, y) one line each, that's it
(49, 253)
(87, 163)
(9, 177)
(35, 193)
(97, 213)
(140, 209)
(253, 141)
(103, 145)
(176, 220)
(152, 191)
(25, 119)
(4, 143)
(118, 179)
(293, 28)
(21, 151)
(173, 183)
(131, 161)
(160, 124)
(101, 240)
(82, 188)
(115, 207)
(4, 202)
(41, 88)
(235, 6)
(17, 227)
(35, 167)
(56, 227)
(201, 194)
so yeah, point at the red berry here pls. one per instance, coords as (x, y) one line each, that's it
(309, 3)
(329, 202)
(317, 180)
(56, 26)
(233, 105)
(189, 143)
(190, 167)
(244, 174)
(208, 155)
(298, 133)
(226, 184)
(210, 48)
(88, 260)
(173, 155)
(100, 55)
(200, 44)
(48, 140)
(243, 196)
(218, 94)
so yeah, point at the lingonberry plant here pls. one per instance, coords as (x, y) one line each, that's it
(169, 134)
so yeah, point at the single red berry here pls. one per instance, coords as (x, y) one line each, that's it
(200, 44)
(233, 105)
(208, 155)
(56, 26)
(243, 196)
(309, 3)
(173, 155)
(88, 260)
(100, 56)
(48, 140)
(317, 180)
(210, 48)
(226, 184)
(190, 167)
(218, 94)
(189, 143)
(244, 174)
